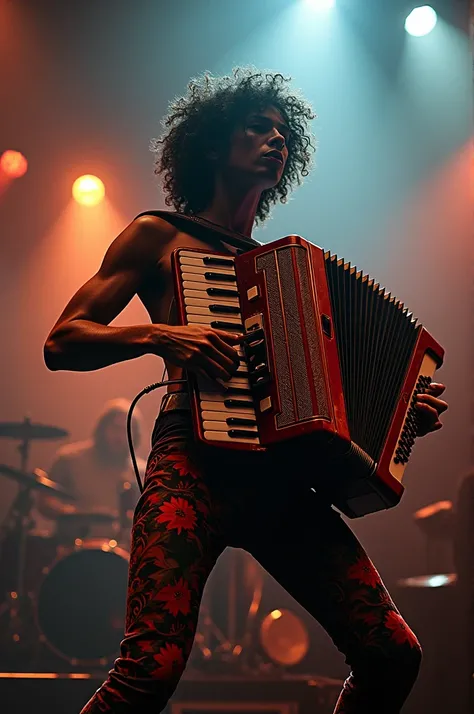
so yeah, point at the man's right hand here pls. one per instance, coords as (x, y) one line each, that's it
(207, 352)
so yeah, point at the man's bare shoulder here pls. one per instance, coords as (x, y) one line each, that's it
(156, 225)
(139, 244)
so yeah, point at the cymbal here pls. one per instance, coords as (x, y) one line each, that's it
(22, 430)
(436, 520)
(37, 480)
(437, 580)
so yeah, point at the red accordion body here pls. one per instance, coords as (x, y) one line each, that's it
(332, 365)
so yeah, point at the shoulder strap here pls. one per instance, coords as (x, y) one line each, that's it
(201, 228)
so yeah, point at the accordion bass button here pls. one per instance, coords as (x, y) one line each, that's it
(253, 293)
(265, 404)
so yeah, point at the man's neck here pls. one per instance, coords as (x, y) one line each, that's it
(232, 211)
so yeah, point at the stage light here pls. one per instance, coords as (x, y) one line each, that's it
(321, 4)
(13, 164)
(421, 21)
(88, 190)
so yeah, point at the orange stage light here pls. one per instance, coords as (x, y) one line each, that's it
(88, 190)
(13, 163)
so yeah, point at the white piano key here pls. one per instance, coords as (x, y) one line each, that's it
(238, 381)
(224, 436)
(231, 411)
(222, 426)
(204, 295)
(194, 254)
(220, 396)
(203, 268)
(191, 284)
(213, 395)
(201, 278)
(208, 385)
(199, 258)
(204, 310)
(207, 319)
(206, 300)
(222, 416)
(214, 425)
(216, 415)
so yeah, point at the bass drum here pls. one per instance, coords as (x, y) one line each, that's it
(81, 602)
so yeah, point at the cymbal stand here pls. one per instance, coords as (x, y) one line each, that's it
(19, 517)
(224, 646)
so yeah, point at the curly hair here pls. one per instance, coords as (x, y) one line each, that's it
(201, 123)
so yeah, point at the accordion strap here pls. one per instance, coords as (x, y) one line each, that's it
(201, 226)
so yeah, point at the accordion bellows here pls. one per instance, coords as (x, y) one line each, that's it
(331, 365)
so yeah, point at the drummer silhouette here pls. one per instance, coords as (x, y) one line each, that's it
(99, 474)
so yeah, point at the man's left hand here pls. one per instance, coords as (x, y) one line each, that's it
(430, 408)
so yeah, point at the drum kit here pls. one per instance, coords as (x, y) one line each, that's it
(62, 595)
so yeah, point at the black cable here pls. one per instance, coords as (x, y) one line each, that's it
(147, 390)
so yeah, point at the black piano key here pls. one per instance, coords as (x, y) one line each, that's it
(256, 347)
(237, 392)
(254, 337)
(235, 403)
(240, 421)
(220, 325)
(223, 262)
(240, 433)
(220, 277)
(231, 309)
(222, 292)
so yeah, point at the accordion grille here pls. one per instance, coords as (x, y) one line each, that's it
(268, 263)
(376, 336)
(293, 324)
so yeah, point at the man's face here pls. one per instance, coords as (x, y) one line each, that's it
(115, 434)
(258, 149)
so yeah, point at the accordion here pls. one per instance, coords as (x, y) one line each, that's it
(330, 363)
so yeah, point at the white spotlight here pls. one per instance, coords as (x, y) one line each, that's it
(421, 21)
(321, 4)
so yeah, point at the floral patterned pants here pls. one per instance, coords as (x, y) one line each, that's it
(193, 507)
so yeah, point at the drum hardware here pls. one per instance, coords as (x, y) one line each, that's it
(259, 642)
(231, 644)
(79, 605)
(436, 521)
(79, 525)
(284, 637)
(27, 431)
(17, 525)
(63, 595)
(19, 514)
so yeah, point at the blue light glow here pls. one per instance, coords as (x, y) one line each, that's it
(321, 4)
(421, 21)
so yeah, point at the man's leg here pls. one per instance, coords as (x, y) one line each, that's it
(175, 542)
(317, 558)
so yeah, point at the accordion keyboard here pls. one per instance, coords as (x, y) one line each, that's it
(209, 288)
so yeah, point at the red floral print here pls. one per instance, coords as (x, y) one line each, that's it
(399, 630)
(176, 597)
(364, 572)
(170, 660)
(178, 514)
(183, 466)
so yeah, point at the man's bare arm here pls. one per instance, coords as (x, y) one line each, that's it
(82, 339)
